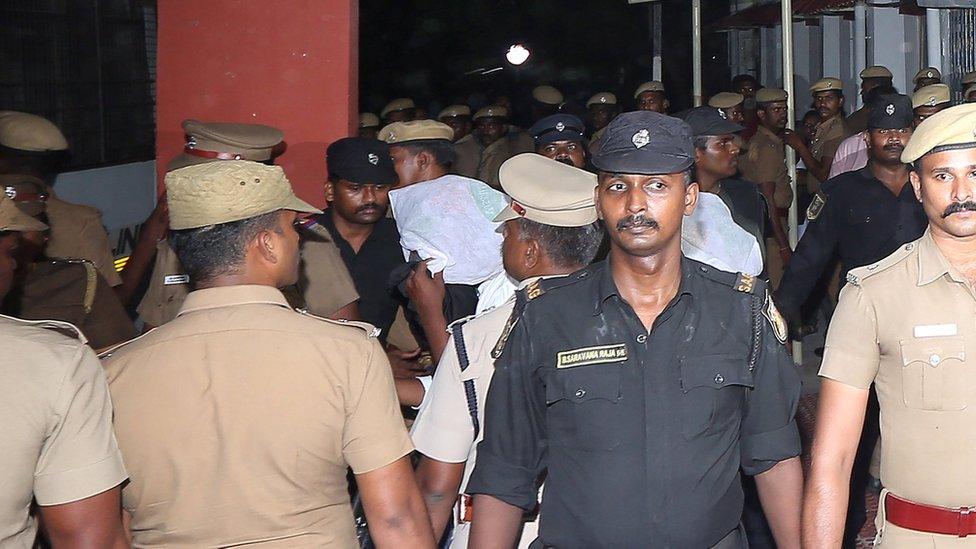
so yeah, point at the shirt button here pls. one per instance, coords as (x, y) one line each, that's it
(580, 393)
(719, 379)
(934, 360)
(641, 338)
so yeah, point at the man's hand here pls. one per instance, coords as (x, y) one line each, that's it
(793, 139)
(427, 292)
(404, 363)
(156, 227)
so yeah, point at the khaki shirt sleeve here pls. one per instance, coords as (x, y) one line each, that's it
(108, 323)
(325, 283)
(374, 435)
(443, 429)
(851, 353)
(80, 457)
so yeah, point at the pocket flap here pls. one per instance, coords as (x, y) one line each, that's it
(933, 350)
(584, 384)
(715, 372)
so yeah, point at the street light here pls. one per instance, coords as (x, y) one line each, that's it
(517, 54)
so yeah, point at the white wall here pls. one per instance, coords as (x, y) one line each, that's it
(894, 40)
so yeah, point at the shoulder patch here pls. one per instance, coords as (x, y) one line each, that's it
(816, 206)
(857, 275)
(371, 331)
(740, 282)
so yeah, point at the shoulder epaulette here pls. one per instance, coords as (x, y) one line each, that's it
(740, 282)
(64, 328)
(311, 225)
(464, 320)
(371, 331)
(857, 275)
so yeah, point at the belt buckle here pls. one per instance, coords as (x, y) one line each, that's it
(967, 521)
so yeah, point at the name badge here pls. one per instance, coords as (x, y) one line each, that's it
(936, 330)
(592, 355)
(176, 279)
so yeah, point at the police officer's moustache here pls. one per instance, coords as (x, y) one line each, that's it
(956, 207)
(636, 221)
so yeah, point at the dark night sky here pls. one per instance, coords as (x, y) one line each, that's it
(423, 48)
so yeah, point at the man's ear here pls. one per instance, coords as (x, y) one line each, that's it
(916, 183)
(533, 253)
(266, 247)
(691, 198)
(423, 159)
(329, 190)
(596, 202)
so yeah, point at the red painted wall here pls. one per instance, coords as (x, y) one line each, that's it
(292, 64)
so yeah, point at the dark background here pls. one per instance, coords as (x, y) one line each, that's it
(424, 49)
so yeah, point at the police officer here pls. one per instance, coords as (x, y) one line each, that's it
(765, 164)
(716, 164)
(602, 108)
(614, 382)
(32, 145)
(905, 324)
(69, 290)
(927, 77)
(481, 157)
(560, 137)
(401, 109)
(56, 424)
(324, 287)
(930, 100)
(257, 409)
(828, 97)
(369, 125)
(864, 215)
(871, 77)
(458, 117)
(550, 230)
(731, 105)
(650, 96)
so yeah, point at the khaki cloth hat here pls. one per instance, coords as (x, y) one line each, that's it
(548, 95)
(968, 78)
(546, 191)
(969, 90)
(12, 219)
(927, 72)
(221, 192)
(877, 71)
(771, 95)
(726, 100)
(602, 98)
(214, 141)
(653, 85)
(368, 120)
(454, 110)
(30, 133)
(400, 104)
(931, 95)
(827, 84)
(28, 192)
(491, 111)
(416, 130)
(952, 128)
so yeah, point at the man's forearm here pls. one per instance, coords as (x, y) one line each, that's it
(781, 493)
(435, 328)
(496, 524)
(825, 504)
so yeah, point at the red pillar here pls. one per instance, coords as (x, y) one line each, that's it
(292, 64)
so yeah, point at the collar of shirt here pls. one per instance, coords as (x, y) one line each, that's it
(932, 265)
(228, 296)
(606, 288)
(766, 132)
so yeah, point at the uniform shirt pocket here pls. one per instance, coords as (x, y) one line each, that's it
(714, 391)
(933, 373)
(582, 406)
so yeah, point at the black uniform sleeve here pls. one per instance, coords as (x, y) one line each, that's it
(513, 452)
(769, 431)
(811, 257)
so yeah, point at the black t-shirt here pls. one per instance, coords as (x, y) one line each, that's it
(370, 269)
(642, 433)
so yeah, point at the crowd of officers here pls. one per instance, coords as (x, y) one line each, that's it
(303, 380)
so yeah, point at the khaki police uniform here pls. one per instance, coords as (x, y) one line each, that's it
(55, 423)
(543, 191)
(830, 133)
(324, 286)
(241, 416)
(76, 230)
